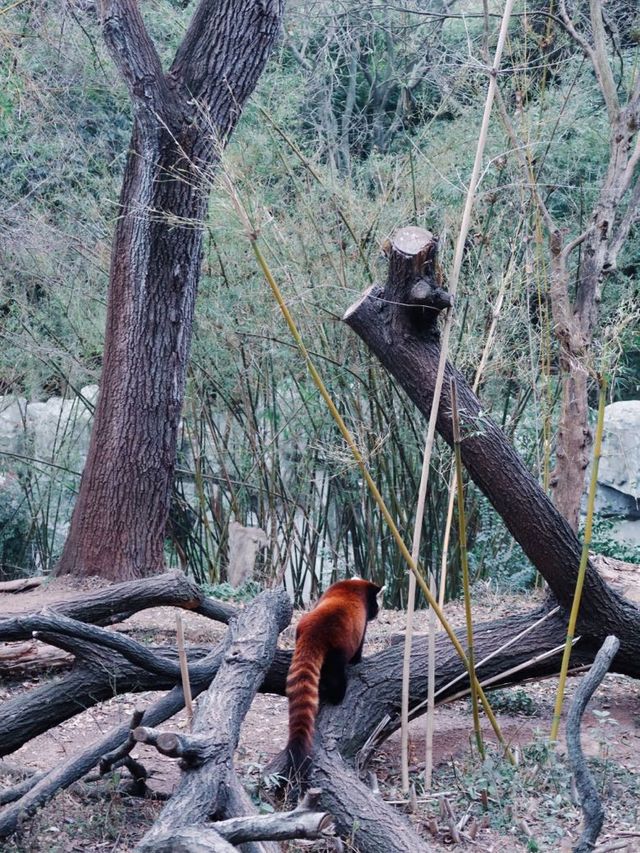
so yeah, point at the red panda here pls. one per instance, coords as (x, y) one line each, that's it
(327, 639)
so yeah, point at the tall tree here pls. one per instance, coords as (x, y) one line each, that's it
(614, 214)
(182, 120)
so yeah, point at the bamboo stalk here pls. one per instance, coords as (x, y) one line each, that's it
(437, 391)
(431, 696)
(584, 558)
(462, 545)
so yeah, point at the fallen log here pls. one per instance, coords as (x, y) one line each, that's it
(207, 753)
(305, 821)
(16, 659)
(97, 675)
(21, 584)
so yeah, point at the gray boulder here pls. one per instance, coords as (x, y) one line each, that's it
(619, 469)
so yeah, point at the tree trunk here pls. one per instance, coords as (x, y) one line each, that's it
(181, 122)
(575, 321)
(399, 323)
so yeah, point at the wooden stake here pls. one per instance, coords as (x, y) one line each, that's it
(184, 669)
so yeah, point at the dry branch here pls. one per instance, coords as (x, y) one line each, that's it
(305, 821)
(117, 602)
(43, 788)
(190, 750)
(589, 798)
(77, 766)
(18, 658)
(112, 759)
(21, 584)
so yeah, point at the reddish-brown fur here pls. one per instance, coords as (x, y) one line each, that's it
(327, 638)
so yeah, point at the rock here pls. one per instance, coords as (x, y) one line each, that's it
(244, 544)
(43, 447)
(619, 470)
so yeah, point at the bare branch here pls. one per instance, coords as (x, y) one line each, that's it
(634, 159)
(597, 54)
(303, 822)
(524, 165)
(589, 798)
(121, 600)
(601, 62)
(569, 248)
(136, 57)
(575, 35)
(248, 651)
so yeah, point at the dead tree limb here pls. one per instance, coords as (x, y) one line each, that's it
(247, 654)
(190, 839)
(43, 788)
(97, 675)
(589, 798)
(17, 659)
(10, 795)
(357, 812)
(116, 757)
(21, 584)
(305, 821)
(119, 601)
(47, 624)
(399, 323)
(79, 765)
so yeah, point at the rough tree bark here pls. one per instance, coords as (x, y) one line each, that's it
(182, 119)
(345, 732)
(207, 753)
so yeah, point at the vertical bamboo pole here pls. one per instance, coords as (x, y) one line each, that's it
(462, 544)
(444, 348)
(184, 669)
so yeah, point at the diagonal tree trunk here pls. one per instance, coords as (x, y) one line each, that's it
(399, 324)
(182, 119)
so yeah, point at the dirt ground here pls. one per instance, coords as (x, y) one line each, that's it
(472, 805)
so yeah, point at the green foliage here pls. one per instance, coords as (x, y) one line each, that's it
(512, 701)
(226, 592)
(604, 542)
(15, 527)
(257, 444)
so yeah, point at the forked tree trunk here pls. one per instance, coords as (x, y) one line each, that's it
(182, 119)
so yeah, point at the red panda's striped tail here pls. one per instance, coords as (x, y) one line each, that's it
(303, 685)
